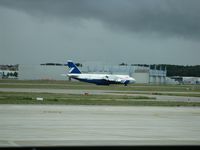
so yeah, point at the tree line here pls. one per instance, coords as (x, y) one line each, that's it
(173, 70)
(185, 71)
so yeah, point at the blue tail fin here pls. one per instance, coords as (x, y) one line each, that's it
(73, 67)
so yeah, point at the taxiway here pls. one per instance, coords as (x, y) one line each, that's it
(59, 125)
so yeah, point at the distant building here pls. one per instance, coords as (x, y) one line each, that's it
(42, 72)
(145, 74)
(55, 71)
(9, 71)
(186, 80)
(142, 73)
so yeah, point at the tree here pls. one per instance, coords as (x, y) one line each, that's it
(123, 64)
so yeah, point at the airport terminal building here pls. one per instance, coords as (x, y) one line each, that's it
(9, 71)
(55, 71)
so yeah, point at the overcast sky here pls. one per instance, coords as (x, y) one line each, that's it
(105, 31)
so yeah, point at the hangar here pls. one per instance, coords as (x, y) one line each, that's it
(186, 80)
(9, 71)
(142, 73)
(53, 71)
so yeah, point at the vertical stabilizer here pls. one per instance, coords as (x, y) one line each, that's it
(73, 67)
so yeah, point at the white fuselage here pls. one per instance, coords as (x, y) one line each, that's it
(99, 79)
(104, 79)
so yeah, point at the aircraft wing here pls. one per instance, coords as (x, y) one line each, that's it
(116, 79)
(112, 78)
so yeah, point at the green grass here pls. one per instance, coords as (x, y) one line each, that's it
(177, 94)
(52, 84)
(77, 99)
(190, 94)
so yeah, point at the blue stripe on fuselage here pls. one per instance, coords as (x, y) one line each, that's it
(126, 82)
(101, 81)
(95, 81)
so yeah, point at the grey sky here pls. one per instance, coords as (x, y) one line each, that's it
(107, 31)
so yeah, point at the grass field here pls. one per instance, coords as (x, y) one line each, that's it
(49, 84)
(78, 99)
(187, 94)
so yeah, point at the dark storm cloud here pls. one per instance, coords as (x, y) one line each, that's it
(163, 17)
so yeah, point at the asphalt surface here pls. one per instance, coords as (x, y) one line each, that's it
(53, 125)
(56, 125)
(104, 92)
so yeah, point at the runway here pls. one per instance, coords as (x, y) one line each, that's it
(67, 125)
(56, 125)
(104, 92)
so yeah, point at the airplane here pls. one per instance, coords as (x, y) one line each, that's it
(98, 79)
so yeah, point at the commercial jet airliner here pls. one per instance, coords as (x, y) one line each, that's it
(98, 79)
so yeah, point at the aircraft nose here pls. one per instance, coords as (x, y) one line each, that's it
(132, 80)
